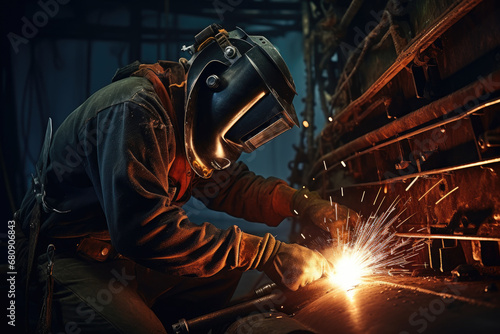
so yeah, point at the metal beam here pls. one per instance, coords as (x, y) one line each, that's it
(446, 236)
(421, 41)
(416, 118)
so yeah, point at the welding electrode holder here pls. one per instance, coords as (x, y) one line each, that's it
(265, 297)
(207, 321)
(180, 327)
(285, 301)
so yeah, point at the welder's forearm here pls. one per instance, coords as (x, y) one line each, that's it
(180, 247)
(248, 196)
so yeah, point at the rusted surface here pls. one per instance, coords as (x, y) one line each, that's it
(478, 89)
(424, 38)
(446, 236)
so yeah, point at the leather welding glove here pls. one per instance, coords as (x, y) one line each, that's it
(333, 218)
(295, 266)
(289, 265)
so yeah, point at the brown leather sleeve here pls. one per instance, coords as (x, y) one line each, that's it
(240, 193)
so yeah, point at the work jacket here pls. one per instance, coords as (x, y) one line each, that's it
(117, 171)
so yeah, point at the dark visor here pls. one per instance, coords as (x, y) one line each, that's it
(263, 122)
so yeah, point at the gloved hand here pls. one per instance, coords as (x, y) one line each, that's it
(295, 266)
(330, 217)
(289, 265)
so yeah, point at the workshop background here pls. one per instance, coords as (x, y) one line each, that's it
(398, 102)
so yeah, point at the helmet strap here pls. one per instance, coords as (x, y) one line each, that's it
(214, 32)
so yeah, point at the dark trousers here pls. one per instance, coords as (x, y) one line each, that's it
(121, 296)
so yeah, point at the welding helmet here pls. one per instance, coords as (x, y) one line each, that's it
(239, 95)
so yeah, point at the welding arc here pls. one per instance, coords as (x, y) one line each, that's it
(373, 248)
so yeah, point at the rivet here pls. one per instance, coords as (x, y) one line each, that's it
(230, 52)
(213, 81)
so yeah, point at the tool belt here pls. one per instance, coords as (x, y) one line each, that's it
(98, 250)
(86, 248)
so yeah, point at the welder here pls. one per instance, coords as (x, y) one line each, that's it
(109, 247)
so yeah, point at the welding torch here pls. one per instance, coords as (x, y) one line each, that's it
(262, 299)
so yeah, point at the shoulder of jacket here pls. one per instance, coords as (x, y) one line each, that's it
(124, 90)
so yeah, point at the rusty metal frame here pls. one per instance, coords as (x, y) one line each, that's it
(447, 236)
(420, 42)
(427, 113)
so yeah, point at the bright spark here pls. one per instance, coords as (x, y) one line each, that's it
(349, 270)
(446, 195)
(343, 163)
(428, 191)
(412, 182)
(375, 201)
(373, 248)
(406, 220)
